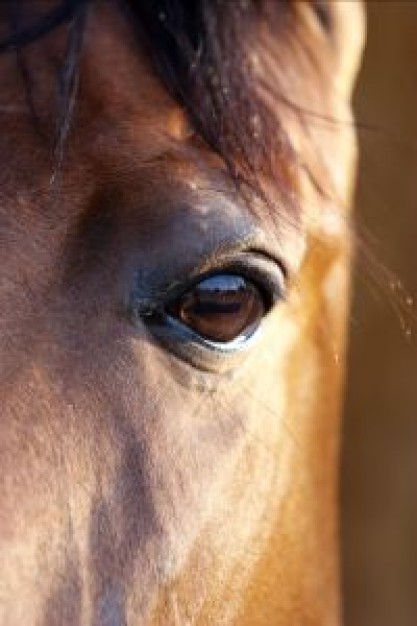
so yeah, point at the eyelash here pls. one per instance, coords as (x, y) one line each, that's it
(273, 289)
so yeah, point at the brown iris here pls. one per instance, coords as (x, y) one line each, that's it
(220, 308)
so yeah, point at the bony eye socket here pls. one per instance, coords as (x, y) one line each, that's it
(221, 308)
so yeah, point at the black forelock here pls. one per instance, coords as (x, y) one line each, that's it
(201, 50)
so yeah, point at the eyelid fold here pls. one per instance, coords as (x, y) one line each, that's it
(261, 269)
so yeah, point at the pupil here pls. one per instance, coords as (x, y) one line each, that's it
(220, 308)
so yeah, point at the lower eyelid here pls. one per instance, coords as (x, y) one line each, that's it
(186, 334)
(190, 350)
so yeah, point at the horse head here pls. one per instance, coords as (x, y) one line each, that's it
(175, 246)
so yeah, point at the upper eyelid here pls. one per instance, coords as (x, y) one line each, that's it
(258, 268)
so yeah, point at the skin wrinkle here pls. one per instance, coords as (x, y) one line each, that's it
(138, 488)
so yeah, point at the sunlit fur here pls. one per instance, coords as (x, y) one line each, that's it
(141, 487)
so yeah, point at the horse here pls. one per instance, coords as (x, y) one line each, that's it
(175, 248)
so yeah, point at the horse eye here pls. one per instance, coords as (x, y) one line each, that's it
(220, 308)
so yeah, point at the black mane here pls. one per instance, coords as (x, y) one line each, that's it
(201, 50)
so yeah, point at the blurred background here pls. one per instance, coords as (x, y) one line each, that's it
(379, 474)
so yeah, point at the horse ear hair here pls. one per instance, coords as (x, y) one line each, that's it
(349, 34)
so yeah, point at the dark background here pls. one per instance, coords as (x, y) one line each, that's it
(379, 473)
